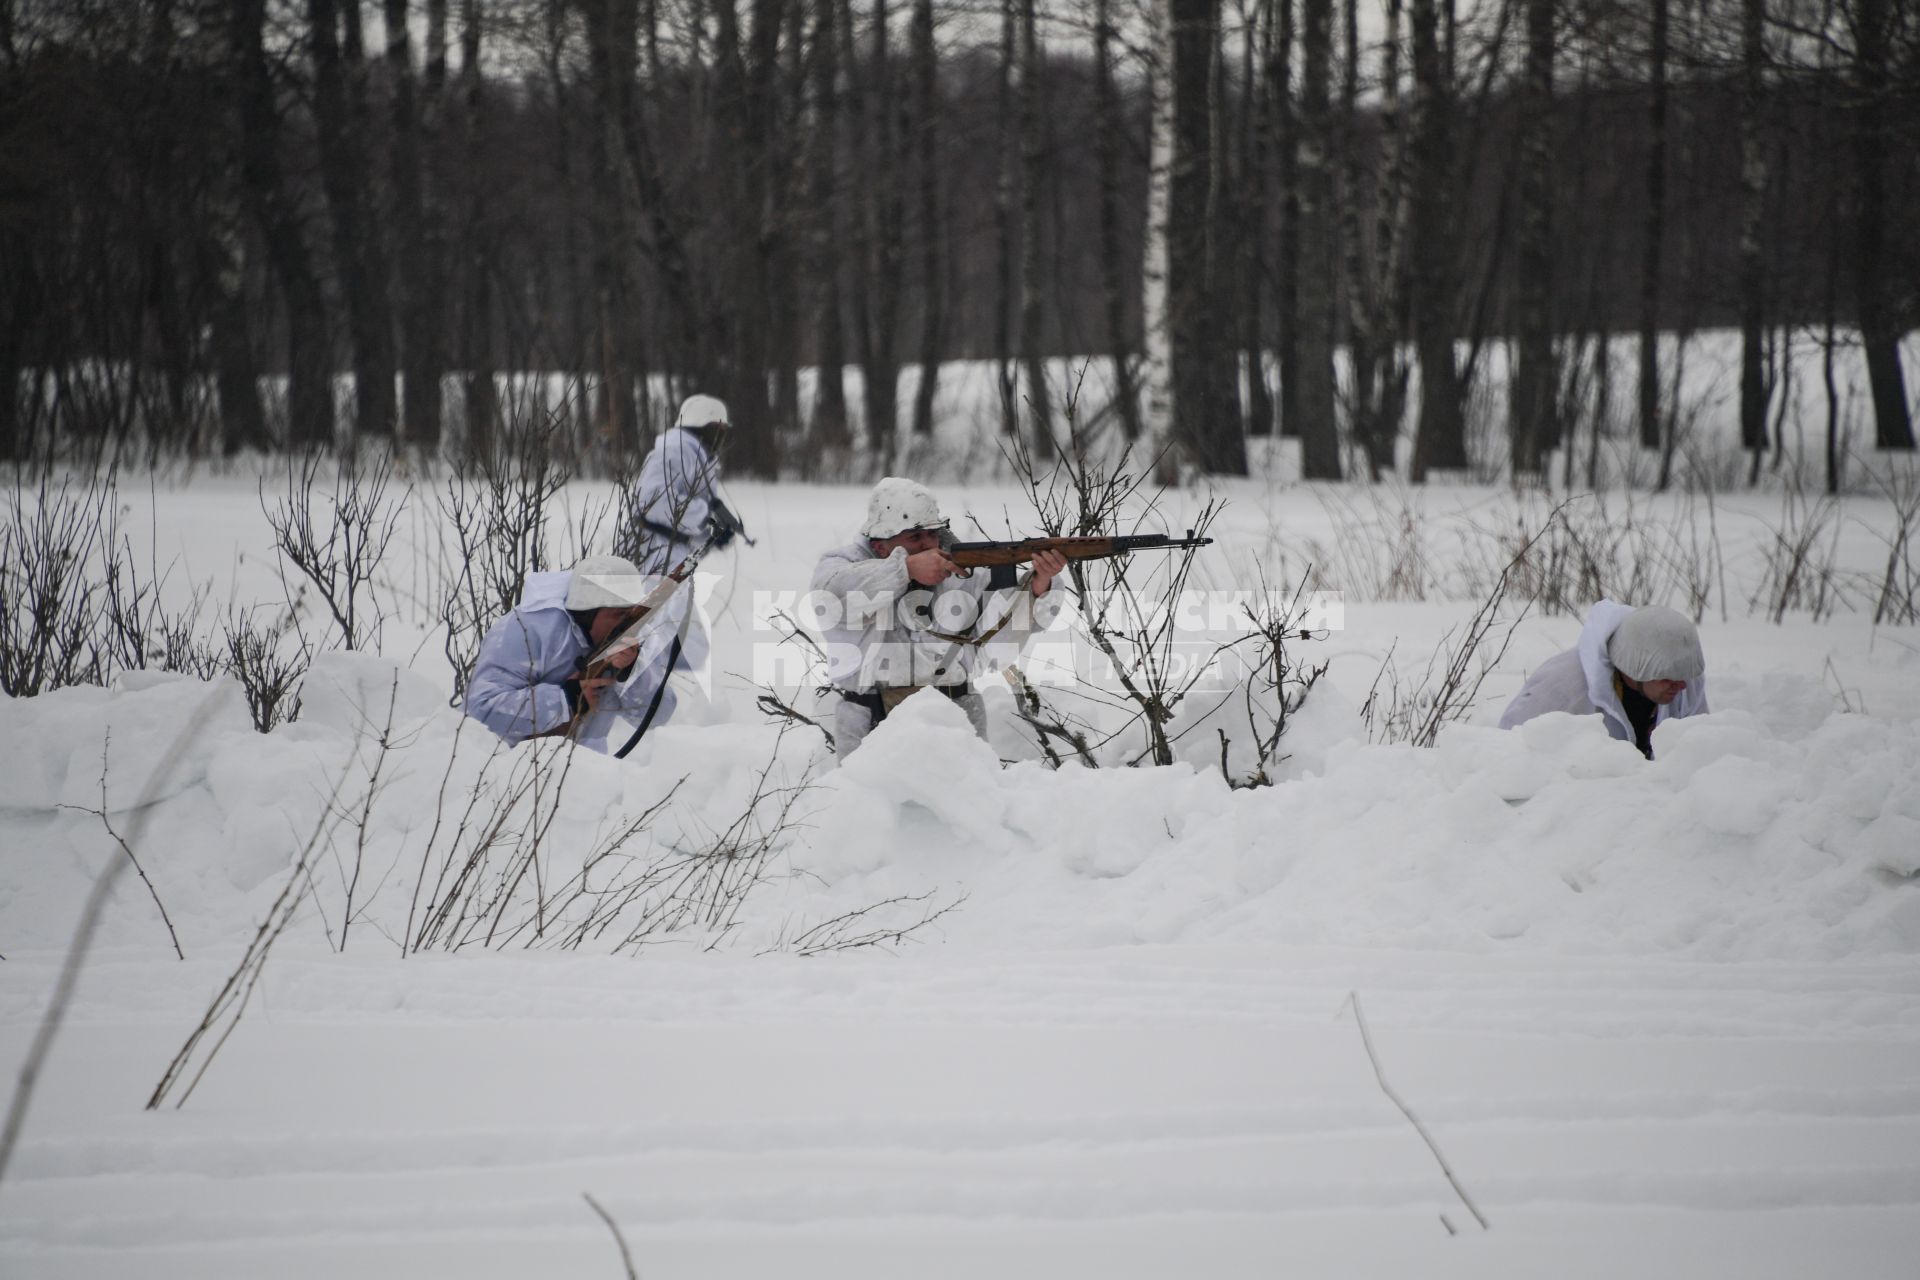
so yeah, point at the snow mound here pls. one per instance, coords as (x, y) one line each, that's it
(1737, 842)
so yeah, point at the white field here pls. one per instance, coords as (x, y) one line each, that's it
(1659, 1018)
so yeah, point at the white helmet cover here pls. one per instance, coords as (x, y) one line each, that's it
(1656, 643)
(605, 582)
(702, 411)
(897, 505)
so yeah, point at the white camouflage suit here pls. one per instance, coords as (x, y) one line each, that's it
(1580, 681)
(878, 629)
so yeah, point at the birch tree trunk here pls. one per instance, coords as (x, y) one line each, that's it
(1155, 300)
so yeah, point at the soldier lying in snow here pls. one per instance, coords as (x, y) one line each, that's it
(527, 681)
(1633, 667)
(897, 615)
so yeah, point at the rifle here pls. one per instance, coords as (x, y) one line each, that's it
(970, 555)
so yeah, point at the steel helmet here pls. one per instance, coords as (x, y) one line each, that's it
(897, 505)
(702, 411)
(605, 582)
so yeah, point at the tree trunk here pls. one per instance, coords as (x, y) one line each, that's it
(612, 26)
(830, 429)
(1441, 440)
(1319, 432)
(1873, 276)
(1650, 419)
(359, 264)
(1206, 402)
(1533, 405)
(747, 155)
(876, 300)
(1753, 269)
(419, 322)
(482, 400)
(1006, 176)
(1155, 253)
(926, 79)
(1109, 138)
(1286, 292)
(270, 204)
(1250, 223)
(1033, 154)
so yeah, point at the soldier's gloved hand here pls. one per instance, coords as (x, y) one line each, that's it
(722, 523)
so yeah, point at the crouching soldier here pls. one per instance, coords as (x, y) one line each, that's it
(1633, 667)
(897, 615)
(528, 680)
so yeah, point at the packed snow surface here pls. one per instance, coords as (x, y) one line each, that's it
(1656, 1017)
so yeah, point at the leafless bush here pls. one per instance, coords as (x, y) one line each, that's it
(63, 562)
(1126, 607)
(229, 1004)
(771, 704)
(1897, 596)
(1562, 558)
(269, 659)
(1800, 572)
(1450, 684)
(491, 881)
(336, 540)
(867, 926)
(132, 859)
(1379, 549)
(1052, 728)
(1277, 684)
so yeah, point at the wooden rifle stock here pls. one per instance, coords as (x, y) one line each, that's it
(969, 555)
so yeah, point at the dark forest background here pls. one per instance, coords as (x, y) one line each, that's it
(211, 209)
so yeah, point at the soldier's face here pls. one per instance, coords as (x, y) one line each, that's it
(914, 540)
(608, 621)
(1664, 691)
(1659, 692)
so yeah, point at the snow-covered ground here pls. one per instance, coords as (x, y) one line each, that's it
(1658, 1018)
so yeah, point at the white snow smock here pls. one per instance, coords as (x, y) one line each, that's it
(1580, 681)
(515, 689)
(674, 498)
(881, 629)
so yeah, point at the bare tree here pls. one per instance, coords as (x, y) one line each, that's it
(926, 110)
(1873, 126)
(1533, 427)
(1441, 442)
(342, 131)
(824, 188)
(1110, 126)
(1319, 433)
(1033, 165)
(1655, 224)
(1754, 390)
(416, 272)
